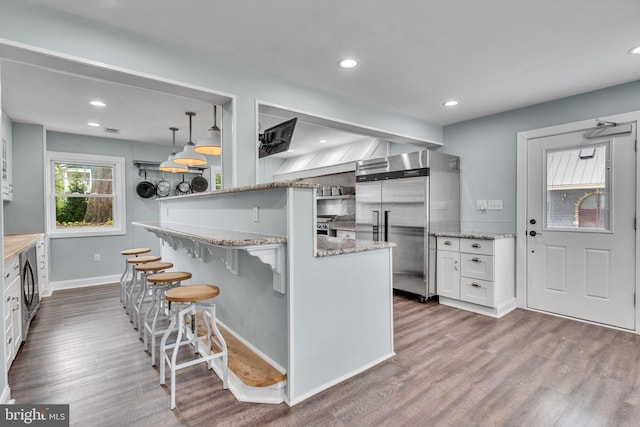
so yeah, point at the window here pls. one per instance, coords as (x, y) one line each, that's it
(86, 195)
(578, 188)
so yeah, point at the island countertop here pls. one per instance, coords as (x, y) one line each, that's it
(329, 246)
(326, 246)
(214, 236)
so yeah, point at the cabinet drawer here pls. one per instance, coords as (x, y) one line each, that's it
(448, 244)
(476, 266)
(477, 246)
(476, 291)
(11, 271)
(345, 234)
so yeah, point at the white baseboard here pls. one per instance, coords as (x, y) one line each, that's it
(82, 283)
(5, 397)
(497, 312)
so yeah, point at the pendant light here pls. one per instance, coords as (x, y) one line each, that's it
(188, 156)
(212, 143)
(169, 165)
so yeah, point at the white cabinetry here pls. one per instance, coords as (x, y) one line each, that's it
(12, 310)
(477, 274)
(7, 156)
(42, 255)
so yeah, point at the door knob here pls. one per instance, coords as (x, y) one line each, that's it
(532, 233)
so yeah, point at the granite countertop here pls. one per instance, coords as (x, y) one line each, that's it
(214, 236)
(16, 243)
(329, 246)
(475, 235)
(268, 186)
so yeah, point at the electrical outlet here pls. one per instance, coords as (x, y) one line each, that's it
(256, 210)
(96, 257)
(494, 205)
(481, 205)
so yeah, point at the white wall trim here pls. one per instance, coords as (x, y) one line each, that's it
(521, 199)
(86, 282)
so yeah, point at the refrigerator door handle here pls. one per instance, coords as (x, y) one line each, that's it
(376, 226)
(386, 225)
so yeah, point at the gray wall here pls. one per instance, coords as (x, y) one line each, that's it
(487, 147)
(72, 258)
(25, 213)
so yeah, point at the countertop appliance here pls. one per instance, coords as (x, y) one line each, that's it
(30, 292)
(405, 199)
(322, 224)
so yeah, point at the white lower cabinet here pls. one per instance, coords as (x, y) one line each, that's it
(477, 274)
(12, 310)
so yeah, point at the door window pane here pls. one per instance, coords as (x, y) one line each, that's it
(577, 188)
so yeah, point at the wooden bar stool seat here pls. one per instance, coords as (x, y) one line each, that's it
(127, 267)
(185, 300)
(155, 316)
(132, 286)
(142, 297)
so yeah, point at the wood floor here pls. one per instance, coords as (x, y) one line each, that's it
(452, 368)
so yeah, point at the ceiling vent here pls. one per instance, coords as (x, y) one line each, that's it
(111, 130)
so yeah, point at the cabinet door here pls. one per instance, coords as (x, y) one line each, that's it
(16, 314)
(448, 274)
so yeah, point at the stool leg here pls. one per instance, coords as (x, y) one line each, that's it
(130, 295)
(163, 344)
(124, 273)
(223, 345)
(138, 299)
(147, 317)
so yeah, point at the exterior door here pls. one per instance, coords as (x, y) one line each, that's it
(581, 224)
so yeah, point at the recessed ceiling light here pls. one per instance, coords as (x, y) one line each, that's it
(94, 124)
(323, 141)
(348, 63)
(451, 103)
(634, 50)
(98, 103)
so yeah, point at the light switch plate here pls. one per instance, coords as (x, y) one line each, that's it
(481, 205)
(494, 205)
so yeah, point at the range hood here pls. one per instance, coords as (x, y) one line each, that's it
(338, 159)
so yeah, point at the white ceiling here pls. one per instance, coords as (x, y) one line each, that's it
(491, 55)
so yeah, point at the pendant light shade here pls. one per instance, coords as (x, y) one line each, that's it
(188, 156)
(169, 165)
(212, 143)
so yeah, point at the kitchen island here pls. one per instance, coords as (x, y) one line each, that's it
(318, 309)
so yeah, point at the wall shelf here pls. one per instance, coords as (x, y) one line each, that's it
(145, 165)
(343, 196)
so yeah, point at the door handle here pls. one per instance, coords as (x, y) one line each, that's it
(376, 226)
(533, 233)
(386, 225)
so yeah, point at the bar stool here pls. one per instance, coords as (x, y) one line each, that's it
(159, 283)
(127, 270)
(142, 296)
(133, 283)
(194, 297)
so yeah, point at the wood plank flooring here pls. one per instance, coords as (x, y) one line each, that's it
(452, 368)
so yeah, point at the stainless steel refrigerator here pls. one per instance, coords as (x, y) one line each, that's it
(405, 199)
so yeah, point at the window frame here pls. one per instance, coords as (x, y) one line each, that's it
(119, 196)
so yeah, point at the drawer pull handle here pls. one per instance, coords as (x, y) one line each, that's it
(476, 285)
(476, 245)
(475, 259)
(8, 298)
(9, 340)
(448, 243)
(6, 275)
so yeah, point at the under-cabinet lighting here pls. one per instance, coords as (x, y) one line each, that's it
(94, 124)
(451, 103)
(97, 103)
